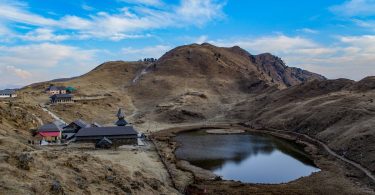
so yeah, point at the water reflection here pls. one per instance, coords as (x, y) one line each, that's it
(245, 157)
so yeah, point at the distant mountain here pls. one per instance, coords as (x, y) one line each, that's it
(200, 83)
(191, 79)
(62, 79)
(276, 69)
(236, 62)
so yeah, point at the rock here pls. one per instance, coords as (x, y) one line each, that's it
(135, 185)
(218, 178)
(126, 189)
(81, 182)
(154, 183)
(110, 178)
(4, 157)
(138, 174)
(108, 168)
(56, 187)
(24, 161)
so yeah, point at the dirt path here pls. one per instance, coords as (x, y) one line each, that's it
(44, 108)
(141, 73)
(360, 167)
(331, 152)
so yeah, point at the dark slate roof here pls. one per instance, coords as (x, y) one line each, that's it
(57, 96)
(50, 127)
(121, 122)
(7, 92)
(81, 123)
(58, 88)
(106, 131)
(95, 124)
(104, 140)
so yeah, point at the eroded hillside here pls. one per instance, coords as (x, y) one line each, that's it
(200, 84)
(192, 83)
(339, 112)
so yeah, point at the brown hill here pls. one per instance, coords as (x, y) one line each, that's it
(196, 82)
(189, 83)
(339, 112)
(232, 63)
(206, 84)
(280, 73)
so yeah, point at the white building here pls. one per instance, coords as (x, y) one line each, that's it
(52, 90)
(8, 93)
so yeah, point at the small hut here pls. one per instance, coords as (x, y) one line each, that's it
(52, 90)
(61, 98)
(121, 118)
(104, 143)
(70, 89)
(50, 132)
(8, 93)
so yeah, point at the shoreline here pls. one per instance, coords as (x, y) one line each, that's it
(225, 131)
(201, 178)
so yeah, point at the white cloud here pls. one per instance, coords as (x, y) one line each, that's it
(308, 30)
(75, 23)
(353, 57)
(359, 12)
(355, 8)
(121, 36)
(201, 39)
(145, 2)
(18, 13)
(3, 29)
(43, 34)
(200, 11)
(4, 33)
(272, 44)
(123, 23)
(370, 24)
(87, 7)
(22, 65)
(42, 55)
(23, 74)
(350, 57)
(133, 54)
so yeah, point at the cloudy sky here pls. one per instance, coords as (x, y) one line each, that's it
(42, 40)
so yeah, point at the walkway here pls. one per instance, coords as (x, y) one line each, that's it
(331, 152)
(358, 166)
(44, 108)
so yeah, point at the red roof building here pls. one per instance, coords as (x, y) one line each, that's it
(50, 132)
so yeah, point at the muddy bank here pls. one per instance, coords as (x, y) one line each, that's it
(335, 176)
(225, 131)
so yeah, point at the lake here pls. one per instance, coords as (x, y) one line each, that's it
(249, 158)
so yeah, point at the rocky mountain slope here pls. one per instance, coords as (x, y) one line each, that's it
(207, 84)
(189, 83)
(339, 112)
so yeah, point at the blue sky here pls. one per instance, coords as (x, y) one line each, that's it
(41, 40)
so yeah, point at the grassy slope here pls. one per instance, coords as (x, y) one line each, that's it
(192, 84)
(338, 112)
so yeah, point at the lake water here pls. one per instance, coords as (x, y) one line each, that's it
(249, 158)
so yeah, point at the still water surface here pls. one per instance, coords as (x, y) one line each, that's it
(249, 158)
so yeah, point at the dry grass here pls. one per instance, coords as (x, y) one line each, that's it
(204, 84)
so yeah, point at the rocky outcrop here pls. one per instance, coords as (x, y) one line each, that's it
(275, 68)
